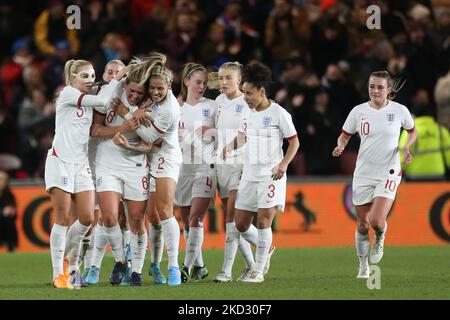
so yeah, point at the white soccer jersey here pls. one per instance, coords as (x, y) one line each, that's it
(265, 131)
(73, 120)
(229, 116)
(379, 130)
(163, 132)
(198, 153)
(108, 153)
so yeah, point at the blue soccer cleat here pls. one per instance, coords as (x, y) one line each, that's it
(76, 280)
(126, 280)
(155, 272)
(93, 275)
(118, 273)
(136, 280)
(85, 273)
(174, 276)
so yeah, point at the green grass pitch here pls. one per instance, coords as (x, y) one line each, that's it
(295, 274)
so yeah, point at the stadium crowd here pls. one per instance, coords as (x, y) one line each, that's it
(321, 53)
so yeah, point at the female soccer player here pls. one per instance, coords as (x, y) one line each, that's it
(232, 108)
(67, 172)
(121, 174)
(197, 184)
(166, 157)
(378, 172)
(262, 189)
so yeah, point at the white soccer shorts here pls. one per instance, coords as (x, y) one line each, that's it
(72, 178)
(228, 176)
(189, 187)
(254, 195)
(365, 189)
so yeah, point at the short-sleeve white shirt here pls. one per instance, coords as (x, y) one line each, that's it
(265, 131)
(379, 130)
(198, 153)
(229, 116)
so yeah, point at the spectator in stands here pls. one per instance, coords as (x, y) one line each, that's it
(322, 125)
(287, 34)
(8, 213)
(50, 28)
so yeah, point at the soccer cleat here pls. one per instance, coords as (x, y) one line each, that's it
(199, 273)
(377, 248)
(244, 275)
(76, 279)
(85, 273)
(155, 272)
(222, 277)
(118, 272)
(136, 280)
(126, 280)
(62, 282)
(93, 275)
(267, 266)
(364, 272)
(253, 277)
(184, 274)
(174, 276)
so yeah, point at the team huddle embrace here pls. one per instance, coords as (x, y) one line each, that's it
(127, 149)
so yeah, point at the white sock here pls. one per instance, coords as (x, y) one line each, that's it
(57, 248)
(194, 246)
(114, 236)
(88, 255)
(100, 242)
(171, 234)
(246, 251)
(381, 233)
(199, 260)
(362, 247)
(262, 250)
(126, 238)
(138, 248)
(156, 243)
(75, 235)
(251, 235)
(231, 246)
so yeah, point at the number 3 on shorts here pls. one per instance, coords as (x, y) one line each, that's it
(271, 193)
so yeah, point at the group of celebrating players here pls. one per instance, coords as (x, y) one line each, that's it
(127, 149)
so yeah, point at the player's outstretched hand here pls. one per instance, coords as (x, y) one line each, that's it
(120, 140)
(408, 156)
(337, 151)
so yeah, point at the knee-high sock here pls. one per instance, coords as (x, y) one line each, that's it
(99, 248)
(57, 248)
(114, 235)
(362, 242)
(138, 248)
(171, 234)
(199, 260)
(194, 246)
(156, 243)
(231, 247)
(75, 235)
(251, 235)
(262, 250)
(90, 249)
